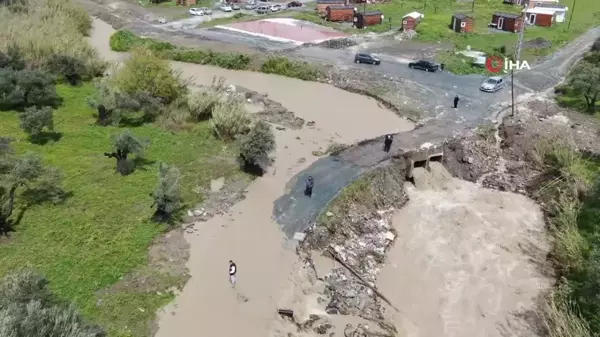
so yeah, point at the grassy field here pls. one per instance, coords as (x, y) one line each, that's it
(435, 25)
(103, 231)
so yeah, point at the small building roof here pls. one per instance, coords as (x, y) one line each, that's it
(541, 10)
(341, 7)
(371, 13)
(461, 16)
(331, 2)
(549, 5)
(507, 15)
(414, 15)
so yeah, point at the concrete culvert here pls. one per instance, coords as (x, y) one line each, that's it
(436, 158)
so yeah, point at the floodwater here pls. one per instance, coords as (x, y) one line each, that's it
(466, 261)
(208, 306)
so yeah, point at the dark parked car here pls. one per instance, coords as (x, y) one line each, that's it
(366, 58)
(294, 4)
(424, 65)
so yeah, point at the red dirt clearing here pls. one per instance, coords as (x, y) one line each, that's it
(276, 30)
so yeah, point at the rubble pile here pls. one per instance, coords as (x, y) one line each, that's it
(364, 251)
(338, 43)
(471, 156)
(359, 234)
(272, 112)
(406, 35)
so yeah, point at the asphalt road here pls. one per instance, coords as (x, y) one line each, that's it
(295, 212)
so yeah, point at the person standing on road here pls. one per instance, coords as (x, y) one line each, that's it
(441, 66)
(232, 272)
(309, 186)
(387, 143)
(456, 99)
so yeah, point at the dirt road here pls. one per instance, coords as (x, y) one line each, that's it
(247, 234)
(466, 260)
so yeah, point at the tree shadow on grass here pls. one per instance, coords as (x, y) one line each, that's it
(30, 198)
(141, 163)
(45, 137)
(132, 121)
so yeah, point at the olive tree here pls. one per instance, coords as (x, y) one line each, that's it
(24, 176)
(113, 104)
(28, 309)
(585, 81)
(124, 144)
(256, 146)
(166, 194)
(34, 120)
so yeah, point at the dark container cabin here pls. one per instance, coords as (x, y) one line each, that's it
(340, 13)
(365, 19)
(462, 23)
(507, 22)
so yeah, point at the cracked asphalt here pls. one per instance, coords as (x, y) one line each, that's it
(434, 91)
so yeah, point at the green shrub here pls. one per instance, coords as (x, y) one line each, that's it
(26, 88)
(235, 61)
(67, 68)
(166, 194)
(256, 146)
(126, 40)
(560, 315)
(144, 72)
(297, 69)
(229, 119)
(201, 104)
(34, 120)
(27, 309)
(13, 58)
(122, 40)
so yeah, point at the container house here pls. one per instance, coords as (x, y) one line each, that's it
(462, 23)
(340, 13)
(507, 22)
(322, 5)
(539, 16)
(560, 11)
(410, 20)
(365, 19)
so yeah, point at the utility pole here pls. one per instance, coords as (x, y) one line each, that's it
(365, 6)
(472, 6)
(571, 16)
(517, 56)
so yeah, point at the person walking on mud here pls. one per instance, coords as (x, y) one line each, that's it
(456, 99)
(387, 143)
(309, 186)
(232, 272)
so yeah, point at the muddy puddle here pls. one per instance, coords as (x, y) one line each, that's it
(467, 261)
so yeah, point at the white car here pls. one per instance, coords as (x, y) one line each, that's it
(196, 11)
(225, 8)
(275, 8)
(207, 11)
(250, 6)
(492, 84)
(235, 7)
